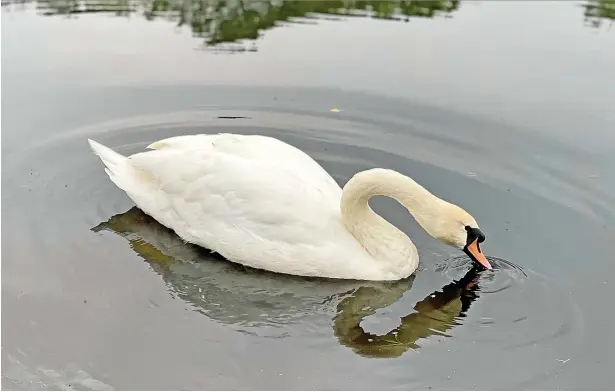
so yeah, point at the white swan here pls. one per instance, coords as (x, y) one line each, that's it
(263, 203)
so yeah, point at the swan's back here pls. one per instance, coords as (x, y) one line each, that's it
(253, 199)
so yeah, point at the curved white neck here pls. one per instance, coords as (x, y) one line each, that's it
(379, 238)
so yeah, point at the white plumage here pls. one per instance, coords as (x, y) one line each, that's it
(263, 203)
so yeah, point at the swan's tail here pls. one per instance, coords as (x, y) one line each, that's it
(110, 158)
(118, 166)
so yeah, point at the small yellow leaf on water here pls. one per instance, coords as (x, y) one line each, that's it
(335, 110)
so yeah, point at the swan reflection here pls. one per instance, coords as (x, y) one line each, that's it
(265, 303)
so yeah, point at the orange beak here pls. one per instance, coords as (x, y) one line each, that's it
(474, 251)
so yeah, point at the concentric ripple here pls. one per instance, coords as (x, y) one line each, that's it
(504, 275)
(73, 241)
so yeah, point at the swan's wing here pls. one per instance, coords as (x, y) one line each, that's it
(240, 203)
(255, 147)
(252, 147)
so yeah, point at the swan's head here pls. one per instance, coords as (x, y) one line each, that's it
(445, 221)
(455, 227)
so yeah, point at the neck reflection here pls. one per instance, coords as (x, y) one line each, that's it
(435, 315)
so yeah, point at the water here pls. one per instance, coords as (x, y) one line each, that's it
(505, 112)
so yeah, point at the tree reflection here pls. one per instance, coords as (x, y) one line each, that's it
(221, 21)
(232, 21)
(258, 302)
(597, 11)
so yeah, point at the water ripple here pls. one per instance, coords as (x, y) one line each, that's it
(65, 217)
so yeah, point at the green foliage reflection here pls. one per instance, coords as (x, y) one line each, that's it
(597, 11)
(225, 21)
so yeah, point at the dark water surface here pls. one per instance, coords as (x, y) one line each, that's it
(505, 108)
